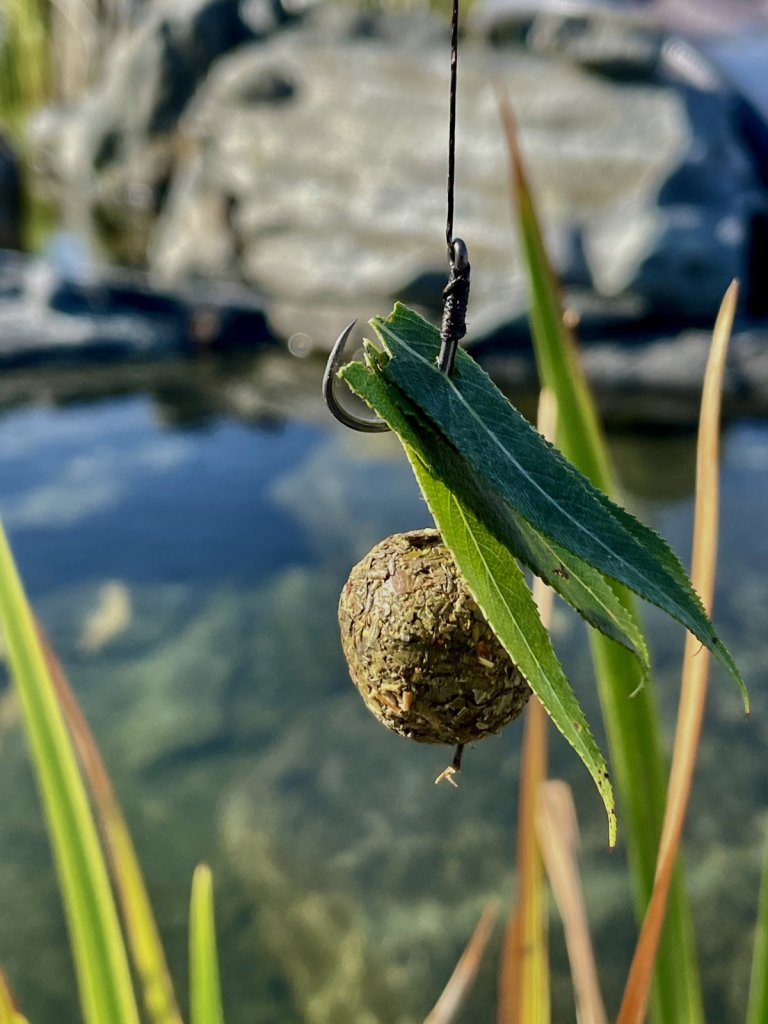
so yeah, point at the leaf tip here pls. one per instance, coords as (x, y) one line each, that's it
(639, 688)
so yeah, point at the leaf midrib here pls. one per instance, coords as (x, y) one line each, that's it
(509, 455)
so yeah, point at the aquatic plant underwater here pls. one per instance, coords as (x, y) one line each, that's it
(444, 427)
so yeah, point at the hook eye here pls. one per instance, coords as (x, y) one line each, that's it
(330, 382)
(459, 257)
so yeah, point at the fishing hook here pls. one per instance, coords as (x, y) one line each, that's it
(332, 367)
(453, 327)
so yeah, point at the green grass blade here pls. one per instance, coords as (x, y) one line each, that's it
(632, 725)
(205, 990)
(101, 963)
(757, 1012)
(140, 926)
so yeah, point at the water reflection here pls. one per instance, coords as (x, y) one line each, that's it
(346, 881)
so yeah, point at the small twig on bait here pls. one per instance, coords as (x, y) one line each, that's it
(449, 774)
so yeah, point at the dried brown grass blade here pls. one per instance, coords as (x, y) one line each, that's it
(558, 834)
(695, 667)
(524, 973)
(464, 973)
(140, 927)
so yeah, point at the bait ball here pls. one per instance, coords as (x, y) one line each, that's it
(420, 651)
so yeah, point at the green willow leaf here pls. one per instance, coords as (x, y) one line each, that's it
(492, 575)
(584, 588)
(516, 462)
(577, 582)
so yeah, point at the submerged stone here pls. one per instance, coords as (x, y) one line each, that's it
(419, 649)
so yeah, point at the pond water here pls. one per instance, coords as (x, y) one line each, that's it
(188, 576)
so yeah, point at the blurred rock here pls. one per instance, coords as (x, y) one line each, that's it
(365, 225)
(509, 21)
(311, 163)
(680, 259)
(681, 246)
(607, 42)
(617, 39)
(49, 318)
(116, 148)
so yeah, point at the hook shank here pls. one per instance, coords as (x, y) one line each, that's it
(455, 299)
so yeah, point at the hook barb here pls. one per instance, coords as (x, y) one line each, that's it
(332, 367)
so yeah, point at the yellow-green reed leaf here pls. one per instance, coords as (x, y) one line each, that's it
(141, 928)
(693, 691)
(204, 986)
(8, 1012)
(493, 576)
(632, 725)
(757, 1012)
(101, 962)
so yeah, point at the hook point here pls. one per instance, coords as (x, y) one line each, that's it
(332, 367)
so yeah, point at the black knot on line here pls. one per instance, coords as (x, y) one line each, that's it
(453, 326)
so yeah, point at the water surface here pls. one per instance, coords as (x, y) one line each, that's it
(346, 881)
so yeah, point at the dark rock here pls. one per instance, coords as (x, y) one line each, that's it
(654, 377)
(46, 318)
(10, 197)
(678, 249)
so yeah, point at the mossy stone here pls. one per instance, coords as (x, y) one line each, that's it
(419, 650)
